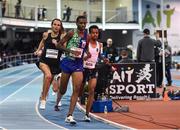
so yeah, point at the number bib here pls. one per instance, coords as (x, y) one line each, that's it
(52, 53)
(76, 49)
(89, 64)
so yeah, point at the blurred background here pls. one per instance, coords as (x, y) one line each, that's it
(22, 23)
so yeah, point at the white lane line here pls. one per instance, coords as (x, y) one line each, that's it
(37, 110)
(105, 120)
(20, 89)
(17, 78)
(44, 119)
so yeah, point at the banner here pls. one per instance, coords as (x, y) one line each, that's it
(133, 81)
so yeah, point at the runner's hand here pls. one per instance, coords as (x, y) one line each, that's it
(38, 53)
(76, 53)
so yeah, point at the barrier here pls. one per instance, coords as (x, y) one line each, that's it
(130, 81)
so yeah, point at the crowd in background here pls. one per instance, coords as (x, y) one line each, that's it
(21, 45)
(41, 11)
(125, 54)
(28, 45)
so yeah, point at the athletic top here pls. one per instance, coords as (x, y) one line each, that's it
(77, 43)
(51, 55)
(72, 63)
(91, 62)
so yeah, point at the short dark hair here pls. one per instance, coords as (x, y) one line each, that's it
(124, 52)
(93, 27)
(80, 17)
(146, 31)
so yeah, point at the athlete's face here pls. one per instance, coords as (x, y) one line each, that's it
(56, 26)
(94, 33)
(81, 24)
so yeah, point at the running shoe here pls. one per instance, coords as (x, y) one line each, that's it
(56, 108)
(59, 104)
(42, 104)
(69, 119)
(53, 93)
(87, 118)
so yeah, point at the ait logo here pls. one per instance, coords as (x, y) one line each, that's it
(150, 19)
(133, 81)
(126, 75)
(144, 74)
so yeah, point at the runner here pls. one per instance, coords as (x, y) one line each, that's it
(72, 65)
(49, 57)
(90, 72)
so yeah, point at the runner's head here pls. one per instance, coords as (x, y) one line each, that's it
(94, 32)
(57, 26)
(81, 22)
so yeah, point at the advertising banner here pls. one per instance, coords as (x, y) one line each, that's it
(133, 81)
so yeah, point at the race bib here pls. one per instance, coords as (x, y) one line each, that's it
(76, 49)
(89, 64)
(52, 53)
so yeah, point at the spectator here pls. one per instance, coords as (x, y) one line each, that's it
(44, 13)
(64, 12)
(68, 13)
(145, 49)
(158, 60)
(18, 43)
(3, 7)
(168, 62)
(109, 51)
(17, 9)
(98, 19)
(85, 14)
(40, 12)
(130, 51)
(31, 14)
(125, 57)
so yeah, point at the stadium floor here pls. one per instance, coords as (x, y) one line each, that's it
(20, 88)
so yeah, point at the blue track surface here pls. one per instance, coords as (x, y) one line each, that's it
(20, 88)
(59, 117)
(12, 87)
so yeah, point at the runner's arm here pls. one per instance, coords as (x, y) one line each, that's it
(41, 44)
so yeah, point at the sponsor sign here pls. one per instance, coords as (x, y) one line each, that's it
(133, 81)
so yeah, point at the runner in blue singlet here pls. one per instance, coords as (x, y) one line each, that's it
(72, 65)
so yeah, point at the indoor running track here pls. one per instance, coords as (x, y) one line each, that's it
(20, 88)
